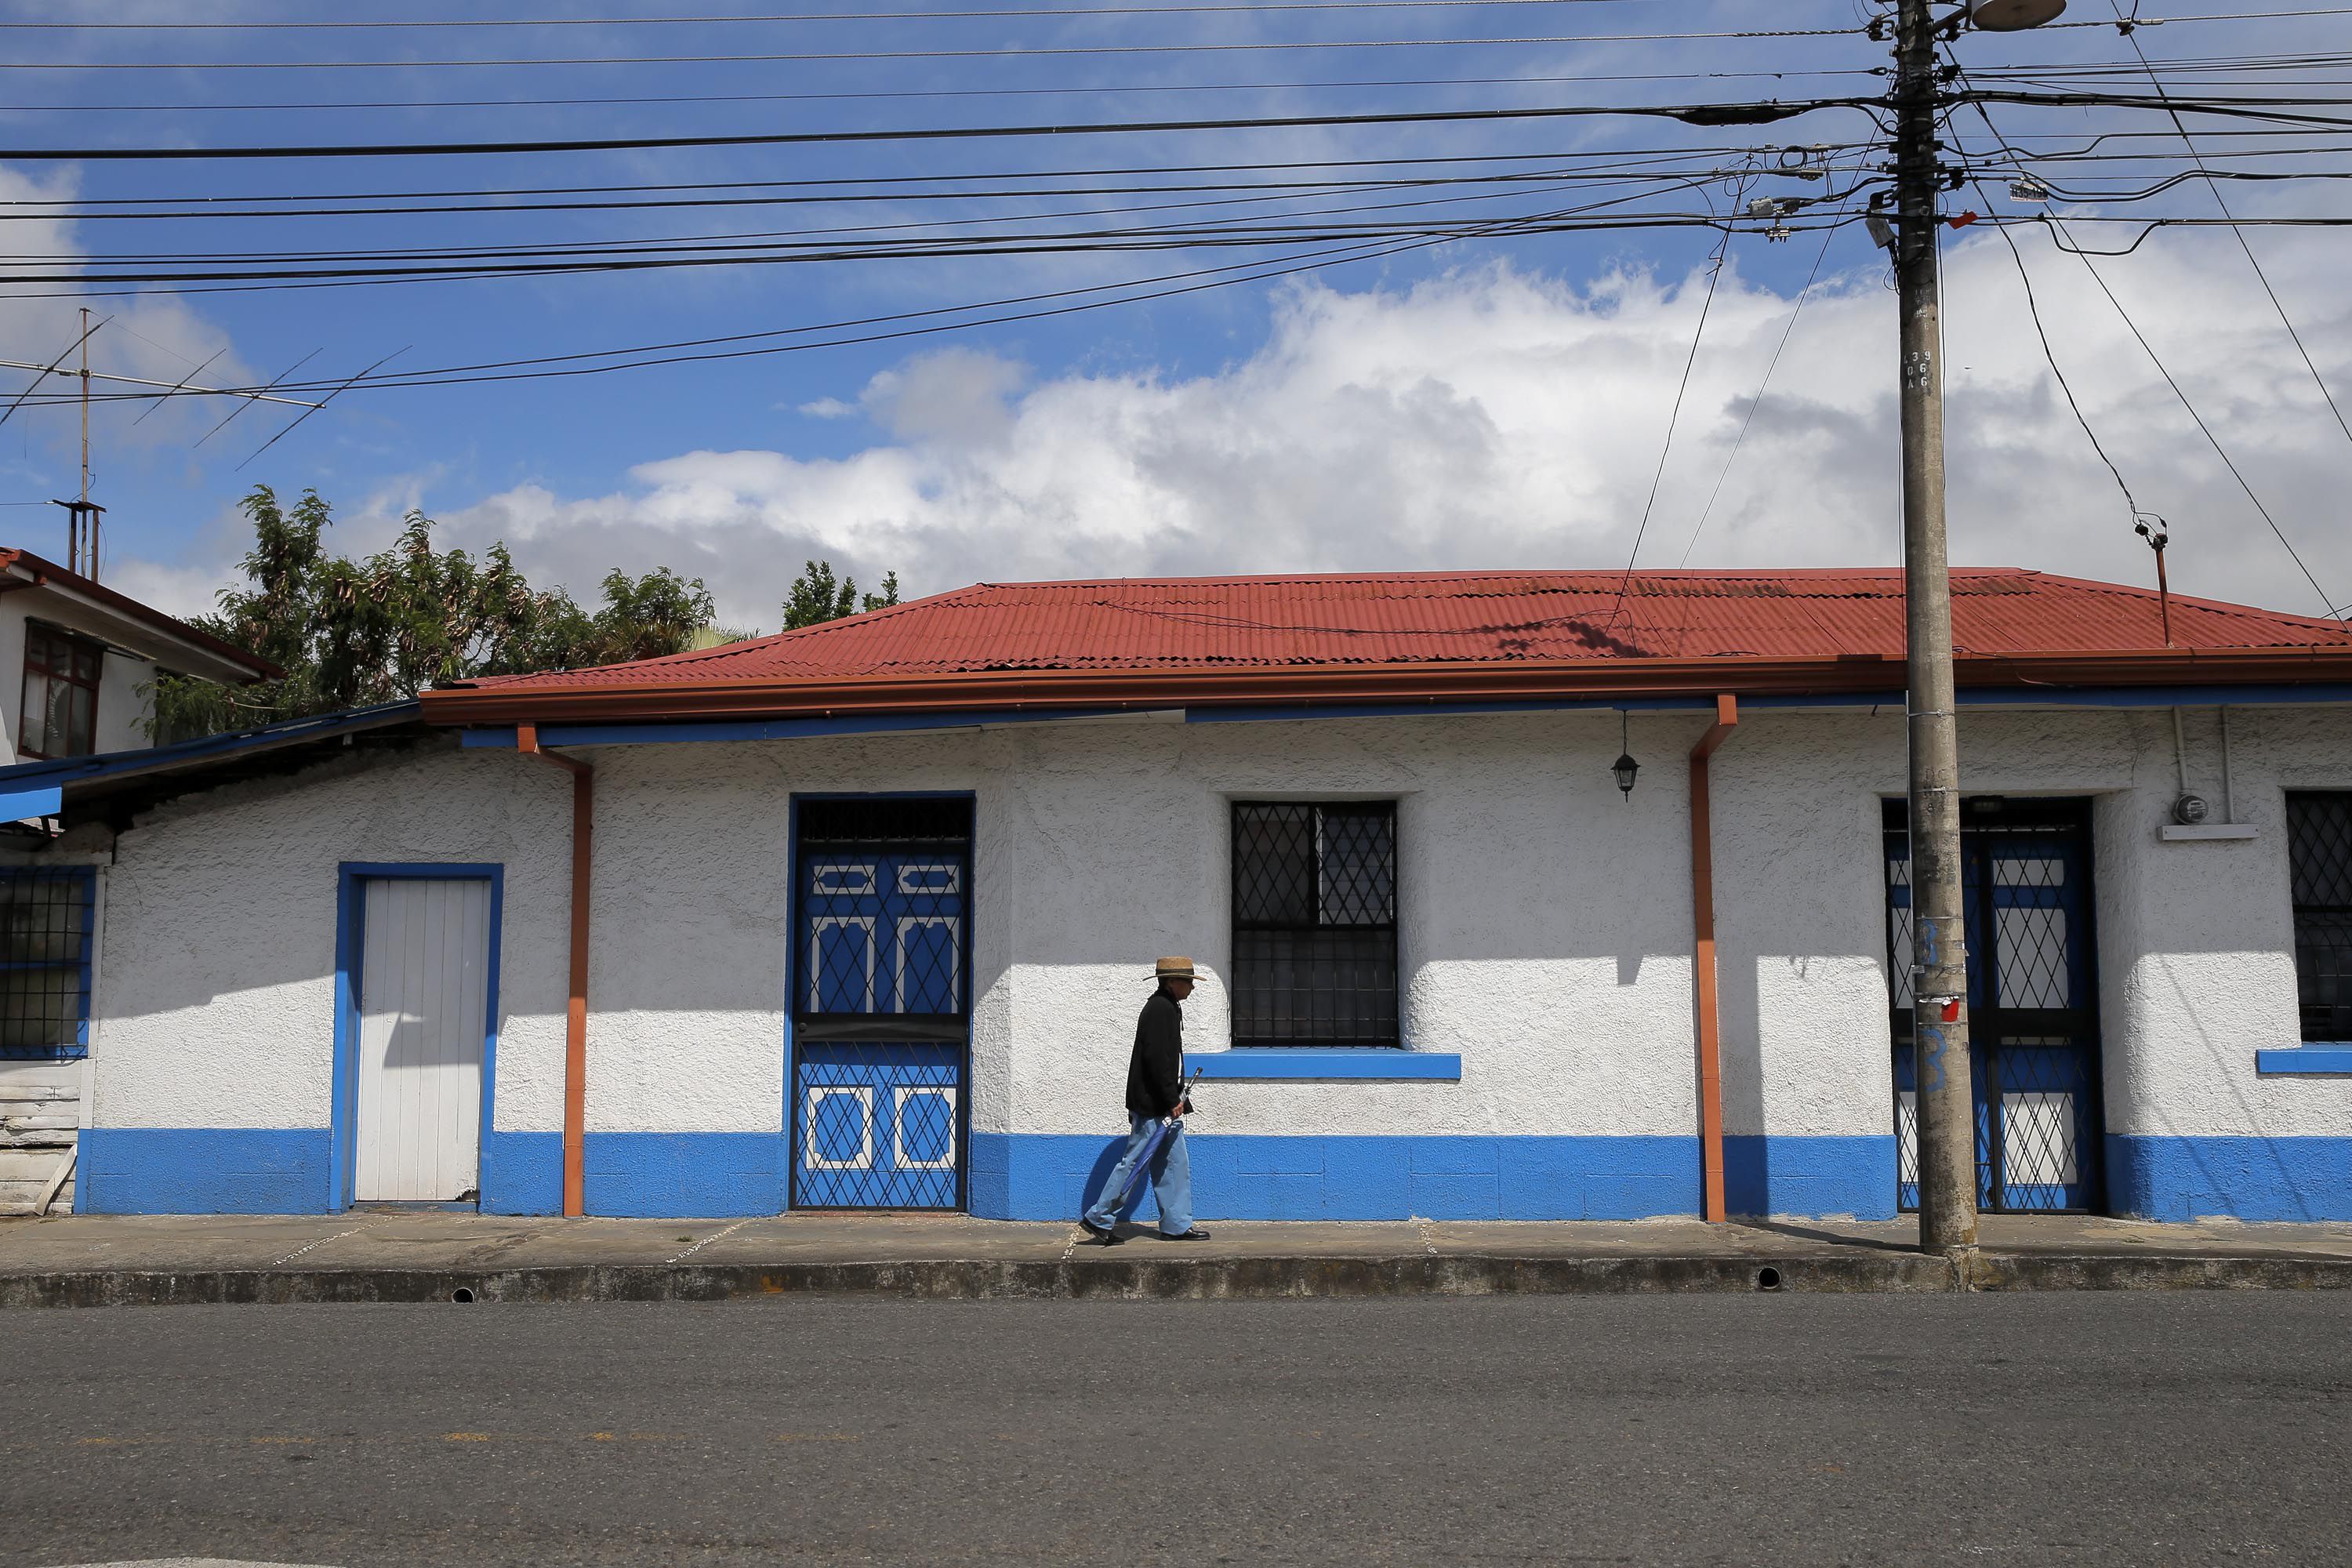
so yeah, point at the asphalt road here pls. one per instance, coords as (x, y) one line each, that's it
(2083, 1428)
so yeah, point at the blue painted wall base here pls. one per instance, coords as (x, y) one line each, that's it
(522, 1173)
(701, 1175)
(2229, 1178)
(202, 1169)
(1040, 1176)
(1809, 1178)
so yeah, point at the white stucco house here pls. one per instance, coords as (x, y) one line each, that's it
(861, 915)
(77, 669)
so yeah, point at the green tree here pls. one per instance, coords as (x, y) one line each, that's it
(814, 597)
(351, 633)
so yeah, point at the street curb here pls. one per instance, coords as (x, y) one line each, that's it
(1088, 1276)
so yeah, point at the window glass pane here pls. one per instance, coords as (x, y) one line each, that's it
(1273, 865)
(82, 726)
(86, 658)
(56, 702)
(29, 714)
(1358, 867)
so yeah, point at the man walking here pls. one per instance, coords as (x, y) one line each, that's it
(1155, 1093)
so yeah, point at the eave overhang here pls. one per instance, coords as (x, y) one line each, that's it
(1193, 687)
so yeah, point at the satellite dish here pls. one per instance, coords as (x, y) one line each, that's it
(2013, 15)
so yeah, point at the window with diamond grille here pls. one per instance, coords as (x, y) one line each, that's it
(45, 942)
(1315, 934)
(2319, 871)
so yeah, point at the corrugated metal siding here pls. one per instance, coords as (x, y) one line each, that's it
(424, 1008)
(1208, 623)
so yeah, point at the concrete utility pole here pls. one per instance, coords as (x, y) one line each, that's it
(1939, 959)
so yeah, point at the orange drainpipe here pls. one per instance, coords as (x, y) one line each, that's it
(1710, 1030)
(575, 1017)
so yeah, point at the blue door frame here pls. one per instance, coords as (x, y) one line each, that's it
(877, 1104)
(351, 946)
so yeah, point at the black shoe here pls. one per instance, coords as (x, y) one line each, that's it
(1101, 1233)
(1195, 1233)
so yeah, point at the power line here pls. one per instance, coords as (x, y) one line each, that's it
(1024, 52)
(1673, 417)
(2034, 308)
(933, 16)
(884, 94)
(2058, 228)
(1704, 115)
(1757, 401)
(888, 187)
(2240, 233)
(1049, 304)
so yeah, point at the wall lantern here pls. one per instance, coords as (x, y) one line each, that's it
(1625, 767)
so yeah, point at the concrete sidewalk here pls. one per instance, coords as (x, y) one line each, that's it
(411, 1255)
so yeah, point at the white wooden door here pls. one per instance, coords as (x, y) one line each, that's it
(425, 974)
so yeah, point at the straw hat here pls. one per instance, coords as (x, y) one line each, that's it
(1173, 968)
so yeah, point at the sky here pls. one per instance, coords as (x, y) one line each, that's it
(1487, 401)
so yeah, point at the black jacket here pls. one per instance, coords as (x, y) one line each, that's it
(1155, 1073)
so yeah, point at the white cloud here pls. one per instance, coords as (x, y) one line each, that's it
(1492, 418)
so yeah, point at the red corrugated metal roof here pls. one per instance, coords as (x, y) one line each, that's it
(1461, 618)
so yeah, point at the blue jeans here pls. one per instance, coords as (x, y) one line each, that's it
(1172, 1177)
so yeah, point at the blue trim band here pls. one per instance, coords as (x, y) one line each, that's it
(2331, 1057)
(1383, 1062)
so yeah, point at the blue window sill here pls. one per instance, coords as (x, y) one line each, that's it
(2328, 1056)
(1354, 1062)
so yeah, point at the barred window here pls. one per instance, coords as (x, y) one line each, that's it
(1314, 928)
(45, 942)
(59, 716)
(2319, 870)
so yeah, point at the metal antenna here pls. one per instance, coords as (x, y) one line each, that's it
(324, 401)
(253, 397)
(178, 385)
(48, 369)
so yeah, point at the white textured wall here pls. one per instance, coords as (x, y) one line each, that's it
(1546, 921)
(216, 1004)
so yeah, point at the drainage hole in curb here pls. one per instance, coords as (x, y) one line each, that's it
(462, 1295)
(1767, 1278)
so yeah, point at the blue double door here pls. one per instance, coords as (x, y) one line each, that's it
(2034, 1024)
(881, 1004)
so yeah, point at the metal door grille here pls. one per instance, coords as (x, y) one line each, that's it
(881, 985)
(2319, 870)
(1314, 936)
(2032, 1004)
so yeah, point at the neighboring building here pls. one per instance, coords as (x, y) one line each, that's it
(861, 915)
(77, 667)
(88, 658)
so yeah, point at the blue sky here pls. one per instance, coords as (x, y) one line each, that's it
(1486, 403)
